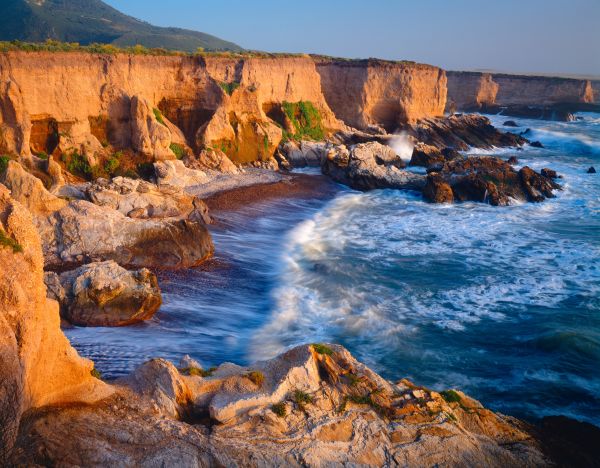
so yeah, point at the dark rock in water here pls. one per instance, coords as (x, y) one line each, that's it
(550, 173)
(462, 132)
(569, 442)
(527, 131)
(451, 154)
(437, 190)
(510, 123)
(559, 113)
(488, 180)
(591, 170)
(513, 160)
(536, 144)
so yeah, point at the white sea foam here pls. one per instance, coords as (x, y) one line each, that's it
(402, 145)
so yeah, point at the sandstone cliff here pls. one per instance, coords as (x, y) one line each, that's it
(385, 94)
(94, 105)
(471, 90)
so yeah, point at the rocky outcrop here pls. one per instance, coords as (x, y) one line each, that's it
(369, 166)
(426, 156)
(304, 153)
(460, 132)
(79, 232)
(137, 198)
(312, 406)
(105, 295)
(488, 180)
(149, 136)
(364, 93)
(38, 366)
(176, 174)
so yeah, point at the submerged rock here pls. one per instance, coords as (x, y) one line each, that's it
(536, 144)
(105, 295)
(369, 166)
(489, 180)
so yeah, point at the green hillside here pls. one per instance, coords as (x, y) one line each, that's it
(90, 21)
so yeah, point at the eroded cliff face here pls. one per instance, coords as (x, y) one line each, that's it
(471, 90)
(386, 94)
(58, 103)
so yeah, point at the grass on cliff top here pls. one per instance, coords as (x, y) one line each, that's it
(451, 396)
(322, 349)
(306, 120)
(10, 243)
(51, 45)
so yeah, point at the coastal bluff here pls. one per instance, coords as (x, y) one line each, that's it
(468, 91)
(53, 101)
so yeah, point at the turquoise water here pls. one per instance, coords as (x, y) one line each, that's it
(501, 302)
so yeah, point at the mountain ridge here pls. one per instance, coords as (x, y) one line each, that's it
(90, 21)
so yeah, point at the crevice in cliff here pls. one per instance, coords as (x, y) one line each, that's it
(45, 135)
(188, 115)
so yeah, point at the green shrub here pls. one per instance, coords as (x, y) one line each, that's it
(4, 160)
(112, 164)
(229, 88)
(96, 373)
(322, 349)
(306, 120)
(256, 377)
(77, 164)
(159, 116)
(279, 409)
(361, 399)
(451, 396)
(199, 372)
(10, 243)
(353, 379)
(302, 398)
(178, 150)
(42, 155)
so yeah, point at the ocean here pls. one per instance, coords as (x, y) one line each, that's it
(500, 302)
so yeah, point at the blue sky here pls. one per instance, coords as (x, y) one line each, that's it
(545, 36)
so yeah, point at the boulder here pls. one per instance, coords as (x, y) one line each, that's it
(176, 174)
(437, 190)
(489, 180)
(369, 166)
(510, 123)
(428, 156)
(513, 160)
(549, 173)
(462, 132)
(211, 160)
(105, 295)
(536, 144)
(305, 153)
(82, 232)
(140, 199)
(149, 136)
(591, 170)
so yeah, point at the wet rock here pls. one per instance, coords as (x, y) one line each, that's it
(369, 166)
(591, 170)
(437, 190)
(488, 180)
(527, 131)
(550, 173)
(513, 160)
(430, 156)
(105, 295)
(510, 123)
(536, 144)
(462, 132)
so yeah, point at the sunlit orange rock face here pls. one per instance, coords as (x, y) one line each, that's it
(470, 90)
(385, 94)
(57, 102)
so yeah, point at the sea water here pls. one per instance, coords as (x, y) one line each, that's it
(500, 302)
